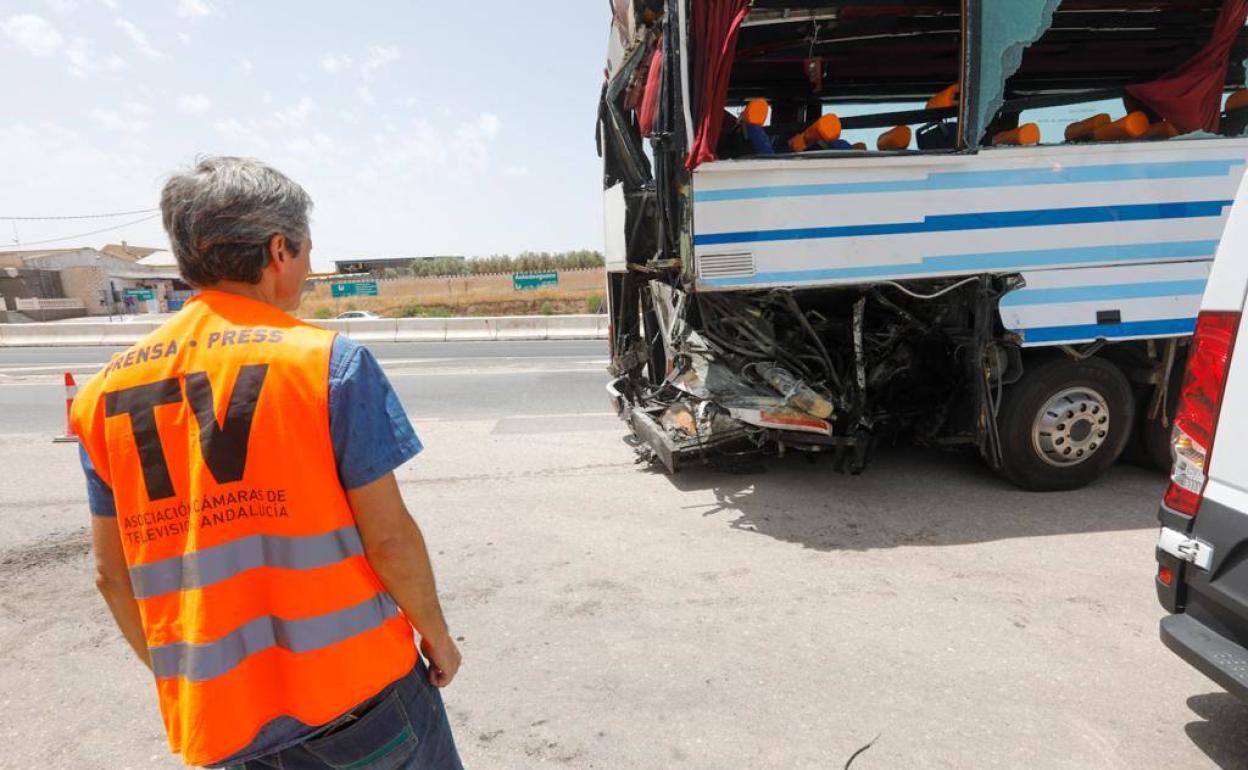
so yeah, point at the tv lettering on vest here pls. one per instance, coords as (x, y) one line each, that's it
(215, 509)
(167, 349)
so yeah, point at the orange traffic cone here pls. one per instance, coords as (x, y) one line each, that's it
(71, 390)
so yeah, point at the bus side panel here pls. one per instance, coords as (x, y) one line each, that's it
(809, 222)
(1122, 302)
(614, 216)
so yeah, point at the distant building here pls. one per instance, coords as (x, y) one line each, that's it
(75, 282)
(124, 250)
(377, 265)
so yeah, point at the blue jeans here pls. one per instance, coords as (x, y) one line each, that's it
(403, 728)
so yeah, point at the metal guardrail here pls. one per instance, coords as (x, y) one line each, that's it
(41, 303)
(553, 327)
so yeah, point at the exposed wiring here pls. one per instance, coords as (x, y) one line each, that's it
(942, 292)
(855, 755)
(80, 216)
(92, 232)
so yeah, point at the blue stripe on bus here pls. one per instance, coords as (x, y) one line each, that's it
(986, 220)
(969, 180)
(1159, 328)
(1023, 297)
(988, 261)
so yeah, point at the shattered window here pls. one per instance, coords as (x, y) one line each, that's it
(1007, 28)
(843, 78)
(1061, 71)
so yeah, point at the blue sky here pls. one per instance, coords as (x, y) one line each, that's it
(418, 127)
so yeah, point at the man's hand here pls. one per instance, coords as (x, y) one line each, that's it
(395, 548)
(444, 660)
(112, 577)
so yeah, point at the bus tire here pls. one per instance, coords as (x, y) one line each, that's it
(1064, 423)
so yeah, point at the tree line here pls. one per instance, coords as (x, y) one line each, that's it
(525, 262)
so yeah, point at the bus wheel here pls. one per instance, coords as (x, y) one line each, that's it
(1064, 423)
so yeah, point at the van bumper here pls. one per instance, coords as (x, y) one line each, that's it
(1221, 659)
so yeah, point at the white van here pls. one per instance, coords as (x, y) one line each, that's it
(1202, 573)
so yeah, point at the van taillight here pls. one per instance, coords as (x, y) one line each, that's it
(1191, 442)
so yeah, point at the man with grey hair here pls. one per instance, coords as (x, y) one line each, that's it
(249, 535)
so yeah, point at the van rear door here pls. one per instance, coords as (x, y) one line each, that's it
(1208, 553)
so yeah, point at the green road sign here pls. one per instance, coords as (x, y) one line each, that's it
(354, 289)
(526, 281)
(141, 294)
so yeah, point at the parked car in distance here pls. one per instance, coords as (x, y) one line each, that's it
(1202, 551)
(359, 315)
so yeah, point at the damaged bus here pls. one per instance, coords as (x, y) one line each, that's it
(984, 223)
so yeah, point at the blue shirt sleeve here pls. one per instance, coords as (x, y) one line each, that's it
(367, 424)
(99, 495)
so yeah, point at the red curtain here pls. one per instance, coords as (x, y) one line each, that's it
(714, 40)
(649, 108)
(1190, 97)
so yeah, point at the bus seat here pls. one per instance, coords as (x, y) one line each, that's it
(897, 138)
(937, 136)
(1235, 114)
(1133, 126)
(1026, 134)
(755, 112)
(946, 98)
(825, 129)
(1161, 130)
(1081, 130)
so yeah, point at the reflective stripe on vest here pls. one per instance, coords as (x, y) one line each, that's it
(256, 599)
(212, 565)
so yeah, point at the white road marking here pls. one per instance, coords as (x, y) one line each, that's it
(469, 418)
(485, 372)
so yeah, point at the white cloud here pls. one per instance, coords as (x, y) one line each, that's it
(184, 38)
(78, 54)
(33, 33)
(61, 7)
(236, 132)
(296, 114)
(378, 57)
(114, 122)
(110, 4)
(195, 103)
(366, 95)
(81, 59)
(137, 108)
(420, 144)
(335, 63)
(318, 144)
(246, 66)
(473, 140)
(138, 37)
(193, 9)
(518, 170)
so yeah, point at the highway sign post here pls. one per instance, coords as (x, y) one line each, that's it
(353, 289)
(530, 281)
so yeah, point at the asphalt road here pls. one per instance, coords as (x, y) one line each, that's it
(434, 380)
(767, 614)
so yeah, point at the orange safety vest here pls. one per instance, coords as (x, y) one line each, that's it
(256, 599)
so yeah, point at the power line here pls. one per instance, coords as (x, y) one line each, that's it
(92, 232)
(80, 216)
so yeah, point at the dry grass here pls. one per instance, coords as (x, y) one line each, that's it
(579, 291)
